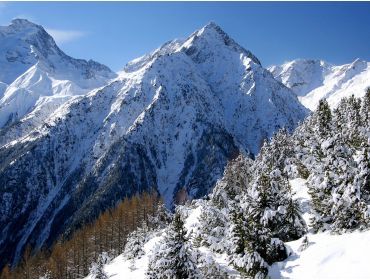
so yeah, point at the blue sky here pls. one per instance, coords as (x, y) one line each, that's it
(114, 33)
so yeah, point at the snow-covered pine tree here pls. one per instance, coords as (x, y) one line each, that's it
(209, 268)
(275, 157)
(349, 211)
(347, 120)
(307, 138)
(323, 181)
(288, 223)
(278, 153)
(336, 198)
(97, 268)
(161, 218)
(365, 110)
(263, 208)
(362, 178)
(173, 258)
(212, 228)
(134, 247)
(242, 254)
(351, 197)
(323, 118)
(234, 182)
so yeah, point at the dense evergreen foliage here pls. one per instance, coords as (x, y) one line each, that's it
(173, 257)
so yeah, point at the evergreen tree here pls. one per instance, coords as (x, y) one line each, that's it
(323, 117)
(278, 153)
(362, 179)
(264, 218)
(135, 242)
(209, 269)
(234, 182)
(161, 218)
(97, 268)
(365, 110)
(336, 197)
(173, 258)
(243, 254)
(212, 228)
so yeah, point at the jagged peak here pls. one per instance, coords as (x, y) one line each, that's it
(214, 26)
(215, 35)
(21, 22)
(24, 27)
(210, 33)
(26, 43)
(31, 33)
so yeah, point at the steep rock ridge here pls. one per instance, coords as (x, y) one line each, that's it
(313, 80)
(169, 122)
(33, 67)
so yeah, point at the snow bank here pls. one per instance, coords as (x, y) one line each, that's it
(327, 256)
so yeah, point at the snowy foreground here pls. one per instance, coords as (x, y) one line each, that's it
(326, 256)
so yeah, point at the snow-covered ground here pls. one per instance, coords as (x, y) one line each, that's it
(326, 256)
(120, 268)
(300, 193)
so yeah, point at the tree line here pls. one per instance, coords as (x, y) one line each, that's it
(75, 256)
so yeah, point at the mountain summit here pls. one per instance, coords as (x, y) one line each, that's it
(169, 122)
(34, 69)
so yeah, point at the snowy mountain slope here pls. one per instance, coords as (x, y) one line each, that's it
(313, 80)
(33, 66)
(170, 121)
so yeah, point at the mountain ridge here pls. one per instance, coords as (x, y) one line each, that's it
(313, 80)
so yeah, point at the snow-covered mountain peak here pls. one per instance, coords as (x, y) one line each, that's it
(22, 27)
(23, 44)
(33, 38)
(210, 38)
(313, 80)
(33, 66)
(21, 23)
(209, 43)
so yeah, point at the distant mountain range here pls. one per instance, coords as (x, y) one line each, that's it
(313, 80)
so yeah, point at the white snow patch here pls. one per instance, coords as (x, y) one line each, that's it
(327, 256)
(299, 189)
